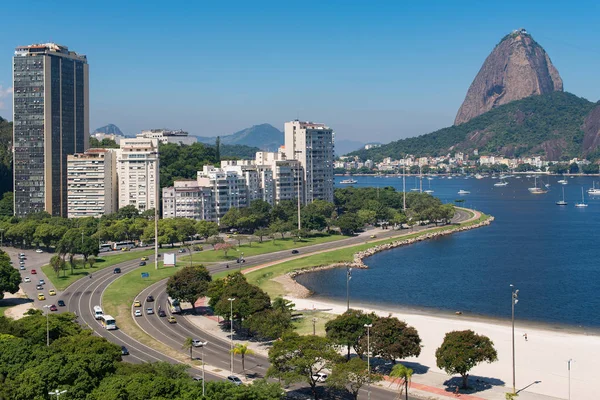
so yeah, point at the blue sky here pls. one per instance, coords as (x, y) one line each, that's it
(372, 70)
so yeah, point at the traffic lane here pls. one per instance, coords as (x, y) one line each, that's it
(173, 335)
(33, 261)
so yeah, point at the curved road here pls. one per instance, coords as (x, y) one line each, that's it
(84, 294)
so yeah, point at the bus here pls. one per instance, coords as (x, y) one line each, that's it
(108, 322)
(174, 306)
(123, 245)
(105, 247)
(98, 313)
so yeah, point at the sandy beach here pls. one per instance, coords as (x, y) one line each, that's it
(541, 360)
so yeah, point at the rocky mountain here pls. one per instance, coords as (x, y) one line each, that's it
(556, 125)
(518, 67)
(109, 129)
(265, 137)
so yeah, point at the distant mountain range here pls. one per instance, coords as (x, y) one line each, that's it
(264, 136)
(109, 129)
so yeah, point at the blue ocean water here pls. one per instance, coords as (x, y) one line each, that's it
(550, 253)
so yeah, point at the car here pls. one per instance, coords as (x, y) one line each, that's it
(21, 262)
(295, 252)
(61, 303)
(22, 267)
(172, 319)
(52, 292)
(137, 303)
(144, 258)
(41, 296)
(235, 380)
(117, 270)
(149, 311)
(138, 313)
(39, 250)
(181, 251)
(373, 236)
(33, 272)
(198, 378)
(53, 307)
(39, 287)
(162, 313)
(125, 249)
(27, 279)
(150, 298)
(124, 351)
(142, 263)
(21, 254)
(197, 343)
(42, 282)
(320, 377)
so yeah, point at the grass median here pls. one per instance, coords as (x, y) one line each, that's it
(263, 277)
(62, 282)
(257, 248)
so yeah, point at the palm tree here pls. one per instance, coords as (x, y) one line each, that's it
(405, 374)
(243, 351)
(188, 344)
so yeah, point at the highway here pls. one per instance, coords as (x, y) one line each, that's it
(85, 293)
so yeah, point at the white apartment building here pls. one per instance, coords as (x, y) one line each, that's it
(187, 199)
(168, 136)
(287, 177)
(137, 170)
(91, 183)
(312, 145)
(228, 190)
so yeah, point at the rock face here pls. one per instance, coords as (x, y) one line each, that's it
(591, 129)
(517, 68)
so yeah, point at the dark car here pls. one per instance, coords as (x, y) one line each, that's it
(295, 252)
(150, 298)
(124, 351)
(142, 263)
(162, 313)
(61, 303)
(117, 271)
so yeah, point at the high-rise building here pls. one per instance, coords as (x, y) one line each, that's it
(92, 183)
(186, 199)
(137, 170)
(51, 121)
(228, 189)
(312, 145)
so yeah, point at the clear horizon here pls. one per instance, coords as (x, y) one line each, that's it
(385, 72)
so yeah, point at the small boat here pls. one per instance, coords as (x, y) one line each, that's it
(594, 190)
(463, 192)
(478, 176)
(562, 181)
(500, 184)
(429, 191)
(562, 202)
(535, 189)
(349, 181)
(582, 204)
(547, 185)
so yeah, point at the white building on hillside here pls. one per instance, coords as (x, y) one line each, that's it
(168, 136)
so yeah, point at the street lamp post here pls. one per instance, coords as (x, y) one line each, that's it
(514, 300)
(57, 393)
(314, 321)
(569, 376)
(348, 277)
(202, 344)
(47, 307)
(369, 326)
(231, 299)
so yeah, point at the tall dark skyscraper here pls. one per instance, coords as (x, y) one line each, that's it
(51, 121)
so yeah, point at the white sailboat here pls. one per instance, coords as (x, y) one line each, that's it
(463, 191)
(536, 189)
(594, 190)
(501, 183)
(582, 204)
(562, 202)
(429, 191)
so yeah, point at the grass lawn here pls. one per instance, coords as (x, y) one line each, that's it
(303, 324)
(256, 248)
(62, 282)
(263, 277)
(2, 308)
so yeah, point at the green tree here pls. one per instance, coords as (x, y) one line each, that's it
(261, 233)
(351, 376)
(348, 223)
(188, 344)
(462, 350)
(87, 247)
(6, 204)
(189, 284)
(249, 299)
(231, 217)
(280, 226)
(206, 229)
(242, 350)
(404, 374)
(91, 260)
(348, 328)
(55, 263)
(10, 279)
(269, 323)
(393, 339)
(297, 358)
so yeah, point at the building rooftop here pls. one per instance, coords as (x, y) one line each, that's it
(47, 48)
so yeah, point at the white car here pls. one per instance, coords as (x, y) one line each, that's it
(27, 279)
(138, 313)
(39, 250)
(320, 377)
(197, 343)
(149, 311)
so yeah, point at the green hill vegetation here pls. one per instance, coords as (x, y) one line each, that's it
(548, 125)
(6, 178)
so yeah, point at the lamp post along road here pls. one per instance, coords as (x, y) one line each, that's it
(514, 300)
(47, 307)
(569, 377)
(348, 277)
(231, 334)
(57, 393)
(369, 326)
(203, 344)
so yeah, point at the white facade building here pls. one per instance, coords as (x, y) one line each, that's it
(137, 170)
(167, 136)
(91, 183)
(188, 200)
(312, 145)
(228, 190)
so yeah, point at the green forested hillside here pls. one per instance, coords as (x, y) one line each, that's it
(6, 178)
(549, 125)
